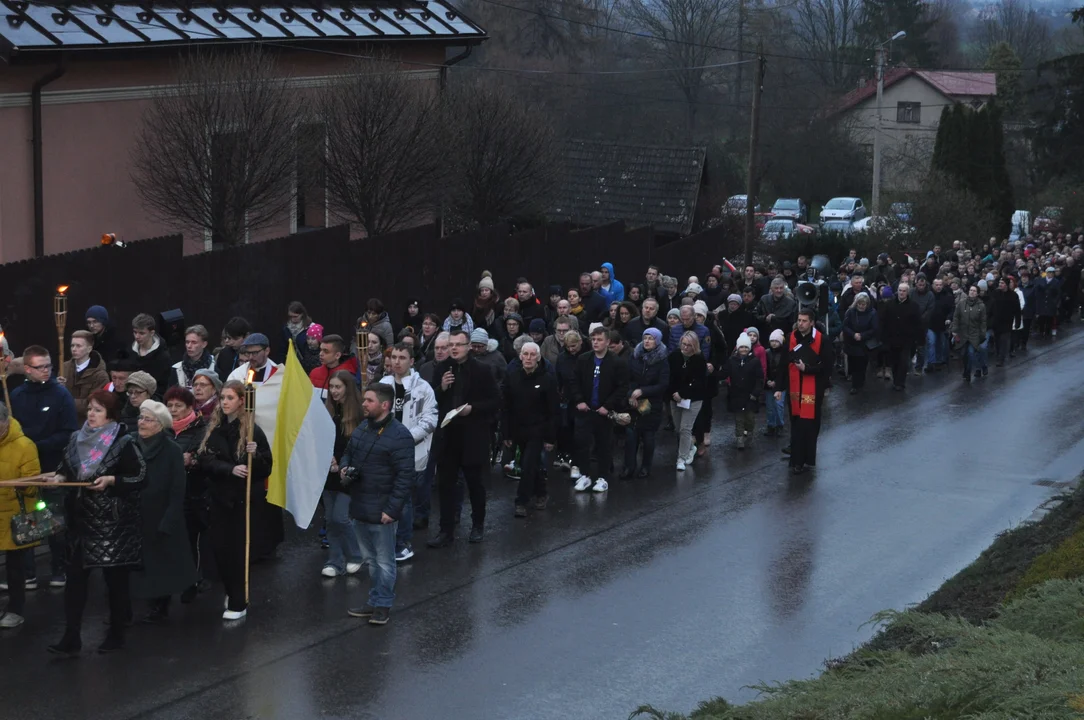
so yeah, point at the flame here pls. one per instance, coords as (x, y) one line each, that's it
(364, 323)
(61, 289)
(251, 375)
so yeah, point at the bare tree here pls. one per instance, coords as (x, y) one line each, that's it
(944, 33)
(826, 33)
(1016, 23)
(690, 34)
(215, 152)
(384, 158)
(503, 156)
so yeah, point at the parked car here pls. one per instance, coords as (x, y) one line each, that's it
(791, 208)
(1049, 220)
(902, 210)
(782, 228)
(843, 226)
(843, 208)
(891, 225)
(760, 219)
(737, 204)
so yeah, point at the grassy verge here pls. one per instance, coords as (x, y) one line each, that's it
(1001, 640)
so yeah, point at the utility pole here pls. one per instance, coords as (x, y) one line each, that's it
(876, 200)
(741, 50)
(754, 142)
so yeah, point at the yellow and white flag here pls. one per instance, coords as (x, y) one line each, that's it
(303, 445)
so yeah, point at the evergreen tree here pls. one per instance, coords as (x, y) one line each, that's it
(951, 146)
(881, 19)
(1003, 61)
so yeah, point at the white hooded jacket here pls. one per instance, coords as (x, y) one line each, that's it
(419, 414)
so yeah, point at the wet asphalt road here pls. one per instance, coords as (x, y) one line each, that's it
(663, 591)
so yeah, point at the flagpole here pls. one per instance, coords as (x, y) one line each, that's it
(4, 363)
(250, 411)
(363, 352)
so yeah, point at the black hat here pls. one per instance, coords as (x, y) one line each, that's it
(457, 304)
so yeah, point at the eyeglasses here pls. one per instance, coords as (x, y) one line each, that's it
(135, 391)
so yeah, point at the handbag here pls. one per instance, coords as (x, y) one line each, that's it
(28, 528)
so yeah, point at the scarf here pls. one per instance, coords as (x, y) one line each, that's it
(151, 445)
(296, 329)
(91, 445)
(190, 367)
(207, 409)
(180, 425)
(577, 309)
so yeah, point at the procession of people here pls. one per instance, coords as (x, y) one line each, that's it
(154, 471)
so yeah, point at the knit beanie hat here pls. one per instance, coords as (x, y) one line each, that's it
(538, 325)
(750, 331)
(733, 297)
(97, 312)
(315, 331)
(983, 285)
(209, 374)
(486, 281)
(479, 336)
(655, 333)
(694, 289)
(886, 292)
(700, 308)
(458, 304)
(674, 312)
(158, 411)
(514, 316)
(744, 341)
(143, 381)
(778, 336)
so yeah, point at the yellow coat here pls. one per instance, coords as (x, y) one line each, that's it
(18, 458)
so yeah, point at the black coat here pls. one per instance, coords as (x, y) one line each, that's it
(746, 379)
(733, 324)
(595, 309)
(466, 439)
(195, 497)
(634, 331)
(944, 305)
(168, 566)
(815, 364)
(1047, 296)
(650, 374)
(156, 363)
(382, 455)
(566, 373)
(688, 376)
(333, 483)
(1030, 301)
(226, 362)
(531, 405)
(108, 346)
(105, 526)
(1006, 311)
(613, 382)
(865, 324)
(902, 324)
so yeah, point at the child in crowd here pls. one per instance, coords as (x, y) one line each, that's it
(745, 376)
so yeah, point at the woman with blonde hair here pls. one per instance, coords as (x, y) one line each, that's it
(688, 389)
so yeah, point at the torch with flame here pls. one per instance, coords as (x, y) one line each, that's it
(250, 413)
(363, 351)
(60, 316)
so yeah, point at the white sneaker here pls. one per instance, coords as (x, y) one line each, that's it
(10, 620)
(329, 572)
(353, 568)
(680, 464)
(575, 473)
(234, 614)
(583, 483)
(601, 486)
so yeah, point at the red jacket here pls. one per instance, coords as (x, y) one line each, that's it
(321, 375)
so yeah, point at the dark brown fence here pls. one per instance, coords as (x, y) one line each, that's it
(331, 274)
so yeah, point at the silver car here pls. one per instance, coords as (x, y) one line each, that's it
(790, 208)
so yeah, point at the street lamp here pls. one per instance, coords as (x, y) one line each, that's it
(876, 201)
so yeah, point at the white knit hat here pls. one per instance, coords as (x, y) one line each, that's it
(158, 411)
(744, 341)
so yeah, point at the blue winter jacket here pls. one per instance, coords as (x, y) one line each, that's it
(616, 293)
(47, 413)
(383, 457)
(674, 342)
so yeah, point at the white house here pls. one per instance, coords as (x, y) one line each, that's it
(910, 112)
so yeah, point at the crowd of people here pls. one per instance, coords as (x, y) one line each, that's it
(161, 450)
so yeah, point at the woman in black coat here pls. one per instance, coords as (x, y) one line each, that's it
(649, 379)
(103, 519)
(168, 567)
(861, 337)
(188, 430)
(566, 378)
(224, 457)
(688, 389)
(702, 426)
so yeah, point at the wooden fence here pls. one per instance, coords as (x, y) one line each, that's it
(331, 274)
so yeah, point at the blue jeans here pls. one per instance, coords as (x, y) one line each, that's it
(378, 552)
(774, 407)
(984, 350)
(936, 347)
(405, 534)
(342, 543)
(973, 358)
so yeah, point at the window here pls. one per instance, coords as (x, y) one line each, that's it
(908, 112)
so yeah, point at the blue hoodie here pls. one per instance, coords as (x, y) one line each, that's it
(616, 293)
(47, 413)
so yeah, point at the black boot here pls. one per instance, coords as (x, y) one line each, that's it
(69, 645)
(114, 641)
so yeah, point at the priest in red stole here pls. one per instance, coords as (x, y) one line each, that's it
(803, 377)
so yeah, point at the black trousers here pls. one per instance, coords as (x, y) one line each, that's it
(14, 560)
(1004, 345)
(636, 436)
(593, 432)
(447, 487)
(859, 366)
(532, 481)
(228, 547)
(803, 440)
(75, 596)
(899, 359)
(702, 424)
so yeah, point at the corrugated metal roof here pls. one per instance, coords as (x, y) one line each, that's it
(640, 184)
(952, 84)
(30, 26)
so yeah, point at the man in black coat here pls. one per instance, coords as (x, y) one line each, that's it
(468, 388)
(529, 419)
(648, 318)
(378, 470)
(149, 350)
(804, 375)
(944, 305)
(600, 388)
(902, 326)
(595, 307)
(228, 359)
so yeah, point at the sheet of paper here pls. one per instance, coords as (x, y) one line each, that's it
(685, 404)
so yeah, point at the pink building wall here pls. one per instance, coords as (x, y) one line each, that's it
(89, 131)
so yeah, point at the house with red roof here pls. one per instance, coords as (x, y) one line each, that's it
(909, 115)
